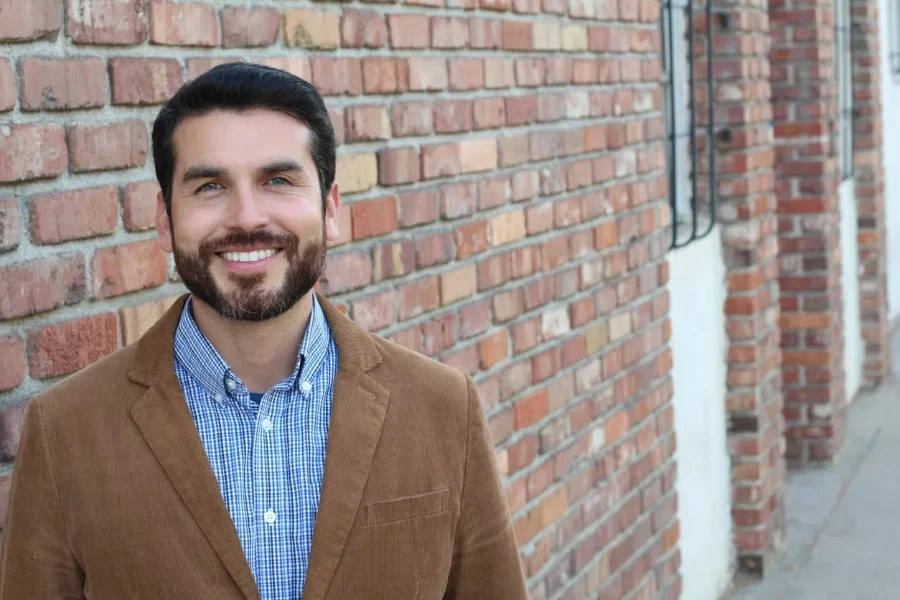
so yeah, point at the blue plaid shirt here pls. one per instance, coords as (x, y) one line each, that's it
(267, 453)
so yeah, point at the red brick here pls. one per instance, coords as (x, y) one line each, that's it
(419, 297)
(393, 259)
(367, 123)
(498, 5)
(74, 215)
(521, 110)
(23, 21)
(530, 72)
(453, 116)
(411, 118)
(532, 409)
(489, 113)
(457, 284)
(249, 27)
(485, 34)
(493, 350)
(409, 338)
(526, 335)
(312, 28)
(346, 271)
(41, 285)
(428, 74)
(493, 271)
(471, 239)
(419, 207)
(31, 152)
(375, 312)
(12, 419)
(337, 76)
(363, 29)
(398, 165)
(128, 268)
(467, 74)
(409, 31)
(517, 35)
(109, 146)
(144, 80)
(514, 150)
(449, 32)
(107, 22)
(183, 24)
(374, 217)
(493, 193)
(64, 348)
(433, 249)
(12, 357)
(475, 318)
(139, 205)
(383, 75)
(7, 86)
(545, 365)
(499, 73)
(439, 334)
(458, 200)
(441, 160)
(10, 230)
(137, 320)
(523, 454)
(198, 66)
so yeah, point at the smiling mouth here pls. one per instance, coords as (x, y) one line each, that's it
(249, 257)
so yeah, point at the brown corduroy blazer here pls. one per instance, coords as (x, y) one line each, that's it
(113, 497)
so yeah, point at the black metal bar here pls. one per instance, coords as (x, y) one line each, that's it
(711, 125)
(692, 106)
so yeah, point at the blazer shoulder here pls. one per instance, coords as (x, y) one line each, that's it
(97, 386)
(429, 376)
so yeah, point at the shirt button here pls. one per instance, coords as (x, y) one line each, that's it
(267, 424)
(269, 517)
(230, 383)
(306, 386)
(218, 397)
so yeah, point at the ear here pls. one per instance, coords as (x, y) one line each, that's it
(332, 209)
(163, 223)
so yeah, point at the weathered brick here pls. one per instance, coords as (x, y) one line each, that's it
(66, 347)
(458, 200)
(128, 268)
(74, 215)
(346, 271)
(139, 205)
(471, 239)
(508, 227)
(384, 75)
(449, 32)
(367, 123)
(419, 207)
(12, 357)
(144, 80)
(489, 113)
(41, 285)
(517, 35)
(312, 28)
(32, 152)
(183, 24)
(10, 230)
(467, 74)
(356, 172)
(419, 297)
(428, 74)
(137, 320)
(24, 21)
(336, 76)
(375, 312)
(108, 146)
(107, 22)
(411, 118)
(486, 34)
(374, 217)
(249, 27)
(453, 116)
(513, 150)
(499, 73)
(363, 29)
(493, 349)
(458, 284)
(7, 85)
(398, 166)
(409, 31)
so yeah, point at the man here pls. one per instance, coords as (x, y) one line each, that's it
(256, 443)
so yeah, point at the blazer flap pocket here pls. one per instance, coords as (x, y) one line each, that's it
(410, 507)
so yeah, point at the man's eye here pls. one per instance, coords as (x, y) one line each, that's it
(208, 187)
(279, 181)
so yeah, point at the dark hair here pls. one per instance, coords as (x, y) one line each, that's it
(239, 87)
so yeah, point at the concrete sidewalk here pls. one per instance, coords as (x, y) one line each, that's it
(844, 519)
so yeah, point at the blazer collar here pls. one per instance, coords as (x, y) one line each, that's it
(357, 414)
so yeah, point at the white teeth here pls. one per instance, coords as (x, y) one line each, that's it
(248, 256)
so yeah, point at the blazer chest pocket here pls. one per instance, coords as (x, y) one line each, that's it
(391, 511)
(410, 547)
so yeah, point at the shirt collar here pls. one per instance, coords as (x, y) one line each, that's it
(199, 357)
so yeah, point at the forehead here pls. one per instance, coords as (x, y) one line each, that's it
(240, 139)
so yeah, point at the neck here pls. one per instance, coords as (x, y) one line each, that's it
(261, 354)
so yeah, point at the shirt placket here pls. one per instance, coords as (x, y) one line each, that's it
(270, 517)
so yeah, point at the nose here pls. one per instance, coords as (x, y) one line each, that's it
(243, 210)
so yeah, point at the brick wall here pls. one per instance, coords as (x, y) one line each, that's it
(503, 173)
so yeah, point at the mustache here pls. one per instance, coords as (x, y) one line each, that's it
(249, 238)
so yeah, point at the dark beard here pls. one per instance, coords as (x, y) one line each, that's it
(247, 303)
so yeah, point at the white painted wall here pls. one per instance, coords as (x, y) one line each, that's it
(699, 347)
(853, 341)
(890, 102)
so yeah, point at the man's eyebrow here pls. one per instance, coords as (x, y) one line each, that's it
(281, 166)
(195, 173)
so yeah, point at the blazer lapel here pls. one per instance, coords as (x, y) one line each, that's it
(166, 423)
(357, 414)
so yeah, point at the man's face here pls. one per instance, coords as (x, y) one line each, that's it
(248, 229)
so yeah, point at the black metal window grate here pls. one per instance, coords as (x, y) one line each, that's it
(894, 36)
(844, 77)
(687, 33)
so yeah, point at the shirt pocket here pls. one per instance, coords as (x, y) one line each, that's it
(410, 546)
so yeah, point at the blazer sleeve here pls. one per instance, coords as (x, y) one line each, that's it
(486, 563)
(36, 561)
